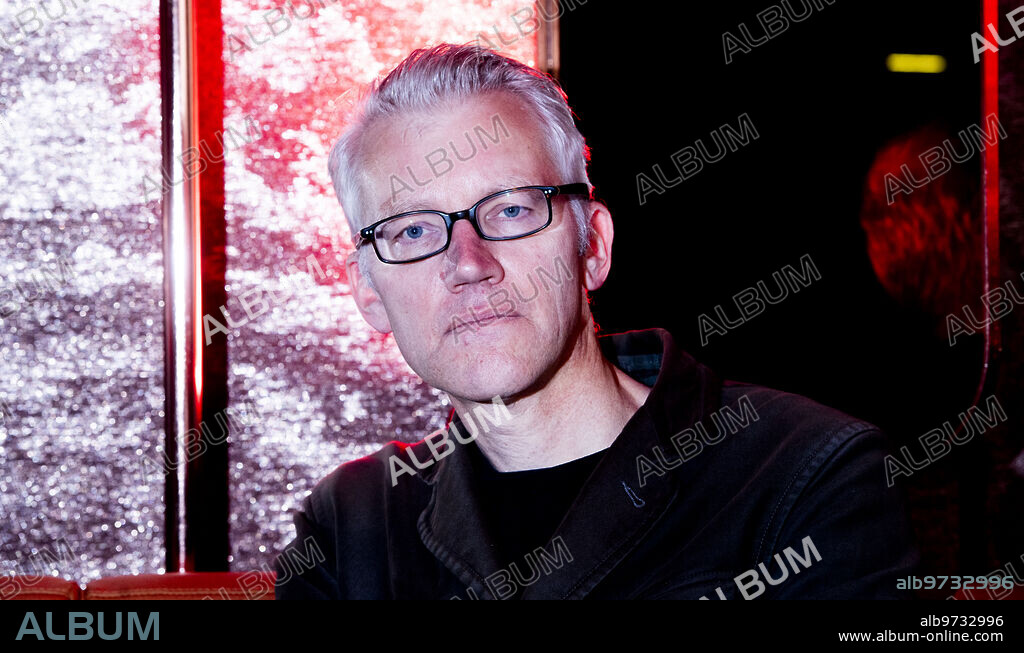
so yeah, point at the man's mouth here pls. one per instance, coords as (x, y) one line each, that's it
(473, 319)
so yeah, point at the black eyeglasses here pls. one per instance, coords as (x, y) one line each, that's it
(505, 215)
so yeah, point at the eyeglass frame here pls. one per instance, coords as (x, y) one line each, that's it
(366, 234)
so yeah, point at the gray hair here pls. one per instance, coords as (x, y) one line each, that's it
(429, 79)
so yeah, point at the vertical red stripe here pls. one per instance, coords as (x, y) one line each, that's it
(990, 170)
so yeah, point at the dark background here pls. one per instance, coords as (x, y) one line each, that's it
(646, 81)
(823, 103)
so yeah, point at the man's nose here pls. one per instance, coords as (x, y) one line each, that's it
(469, 258)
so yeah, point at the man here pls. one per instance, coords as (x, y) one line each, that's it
(575, 466)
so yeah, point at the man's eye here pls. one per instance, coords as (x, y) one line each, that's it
(514, 211)
(411, 232)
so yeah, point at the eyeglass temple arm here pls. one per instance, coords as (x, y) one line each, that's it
(572, 189)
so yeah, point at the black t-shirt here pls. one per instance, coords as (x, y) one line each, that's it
(525, 508)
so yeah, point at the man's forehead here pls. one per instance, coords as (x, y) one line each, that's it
(439, 159)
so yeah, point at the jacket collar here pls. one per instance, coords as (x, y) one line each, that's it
(611, 514)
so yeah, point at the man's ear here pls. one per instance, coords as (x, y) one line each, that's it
(367, 299)
(597, 261)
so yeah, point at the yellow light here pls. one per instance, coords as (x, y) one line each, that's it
(915, 63)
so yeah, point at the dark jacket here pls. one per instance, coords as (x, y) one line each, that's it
(705, 482)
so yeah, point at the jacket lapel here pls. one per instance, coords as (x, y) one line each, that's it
(453, 526)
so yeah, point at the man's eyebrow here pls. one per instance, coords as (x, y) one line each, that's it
(389, 208)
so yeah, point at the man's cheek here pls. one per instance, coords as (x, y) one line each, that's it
(404, 307)
(415, 332)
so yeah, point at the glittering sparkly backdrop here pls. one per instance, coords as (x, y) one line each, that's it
(81, 318)
(327, 387)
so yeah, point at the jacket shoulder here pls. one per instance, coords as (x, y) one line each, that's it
(788, 445)
(340, 532)
(821, 474)
(783, 419)
(359, 486)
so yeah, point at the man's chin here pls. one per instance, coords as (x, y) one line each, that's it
(479, 372)
(503, 357)
(481, 389)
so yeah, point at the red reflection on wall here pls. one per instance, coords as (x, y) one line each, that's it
(921, 217)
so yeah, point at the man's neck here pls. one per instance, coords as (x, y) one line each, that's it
(579, 411)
